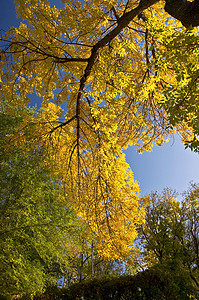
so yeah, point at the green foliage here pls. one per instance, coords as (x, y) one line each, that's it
(35, 224)
(180, 52)
(170, 237)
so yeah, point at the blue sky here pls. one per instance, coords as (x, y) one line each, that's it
(167, 166)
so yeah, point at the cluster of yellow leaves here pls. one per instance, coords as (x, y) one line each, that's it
(100, 185)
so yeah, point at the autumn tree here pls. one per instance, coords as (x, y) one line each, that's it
(125, 73)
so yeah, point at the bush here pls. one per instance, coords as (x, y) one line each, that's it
(145, 285)
(153, 284)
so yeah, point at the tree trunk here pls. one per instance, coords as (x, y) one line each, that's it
(185, 11)
(92, 261)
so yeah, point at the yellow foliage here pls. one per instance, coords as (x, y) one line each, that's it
(110, 88)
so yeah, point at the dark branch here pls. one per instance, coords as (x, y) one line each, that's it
(70, 59)
(62, 124)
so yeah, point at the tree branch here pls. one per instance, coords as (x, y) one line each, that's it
(70, 59)
(62, 124)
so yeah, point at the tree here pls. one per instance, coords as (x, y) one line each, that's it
(170, 236)
(108, 62)
(190, 210)
(36, 227)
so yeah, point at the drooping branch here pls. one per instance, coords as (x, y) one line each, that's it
(185, 11)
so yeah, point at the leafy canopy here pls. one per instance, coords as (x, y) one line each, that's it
(110, 74)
